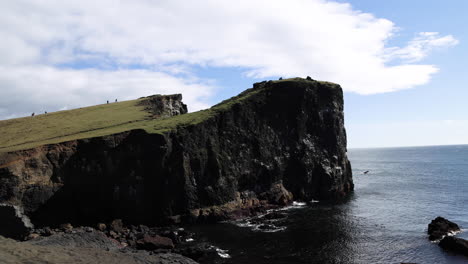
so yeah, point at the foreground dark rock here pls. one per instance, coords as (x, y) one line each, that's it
(455, 245)
(276, 142)
(130, 239)
(443, 230)
(12, 252)
(440, 227)
(154, 242)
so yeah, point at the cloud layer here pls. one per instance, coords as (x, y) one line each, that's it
(72, 53)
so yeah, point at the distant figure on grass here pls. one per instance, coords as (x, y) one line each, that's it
(45, 112)
(107, 101)
(32, 114)
(281, 78)
(116, 100)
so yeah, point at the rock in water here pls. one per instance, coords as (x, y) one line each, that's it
(454, 244)
(278, 141)
(13, 222)
(440, 227)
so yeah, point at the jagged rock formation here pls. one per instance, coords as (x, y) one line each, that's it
(164, 105)
(276, 142)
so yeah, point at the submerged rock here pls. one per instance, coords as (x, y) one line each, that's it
(440, 227)
(455, 244)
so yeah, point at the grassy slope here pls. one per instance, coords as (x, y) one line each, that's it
(100, 120)
(27, 132)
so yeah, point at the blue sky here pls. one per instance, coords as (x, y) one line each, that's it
(432, 114)
(400, 63)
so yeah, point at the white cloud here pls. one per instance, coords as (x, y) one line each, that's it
(43, 88)
(421, 46)
(323, 39)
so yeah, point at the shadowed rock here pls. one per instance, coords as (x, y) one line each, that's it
(154, 242)
(455, 244)
(13, 223)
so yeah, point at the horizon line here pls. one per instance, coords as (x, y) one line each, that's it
(410, 146)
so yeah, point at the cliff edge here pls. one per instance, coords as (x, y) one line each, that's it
(278, 141)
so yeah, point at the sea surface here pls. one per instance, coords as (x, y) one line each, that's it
(384, 221)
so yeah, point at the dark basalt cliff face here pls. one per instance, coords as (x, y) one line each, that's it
(276, 142)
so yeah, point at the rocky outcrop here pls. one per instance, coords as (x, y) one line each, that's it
(441, 227)
(164, 105)
(443, 230)
(276, 142)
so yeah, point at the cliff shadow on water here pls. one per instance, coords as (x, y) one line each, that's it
(278, 141)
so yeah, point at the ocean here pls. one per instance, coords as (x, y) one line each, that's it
(384, 221)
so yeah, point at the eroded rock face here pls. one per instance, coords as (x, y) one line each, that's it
(164, 105)
(286, 141)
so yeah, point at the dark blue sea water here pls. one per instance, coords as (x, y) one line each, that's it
(384, 221)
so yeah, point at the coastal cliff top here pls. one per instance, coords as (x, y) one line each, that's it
(107, 119)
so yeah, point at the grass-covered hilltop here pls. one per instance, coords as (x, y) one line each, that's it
(87, 122)
(106, 119)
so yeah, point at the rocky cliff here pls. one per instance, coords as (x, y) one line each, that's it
(278, 141)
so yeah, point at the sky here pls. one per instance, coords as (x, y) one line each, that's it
(402, 64)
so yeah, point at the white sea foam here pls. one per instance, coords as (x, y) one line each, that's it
(223, 253)
(274, 229)
(299, 203)
(294, 205)
(453, 233)
(189, 240)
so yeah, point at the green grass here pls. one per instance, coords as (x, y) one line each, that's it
(101, 120)
(94, 121)
(27, 132)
